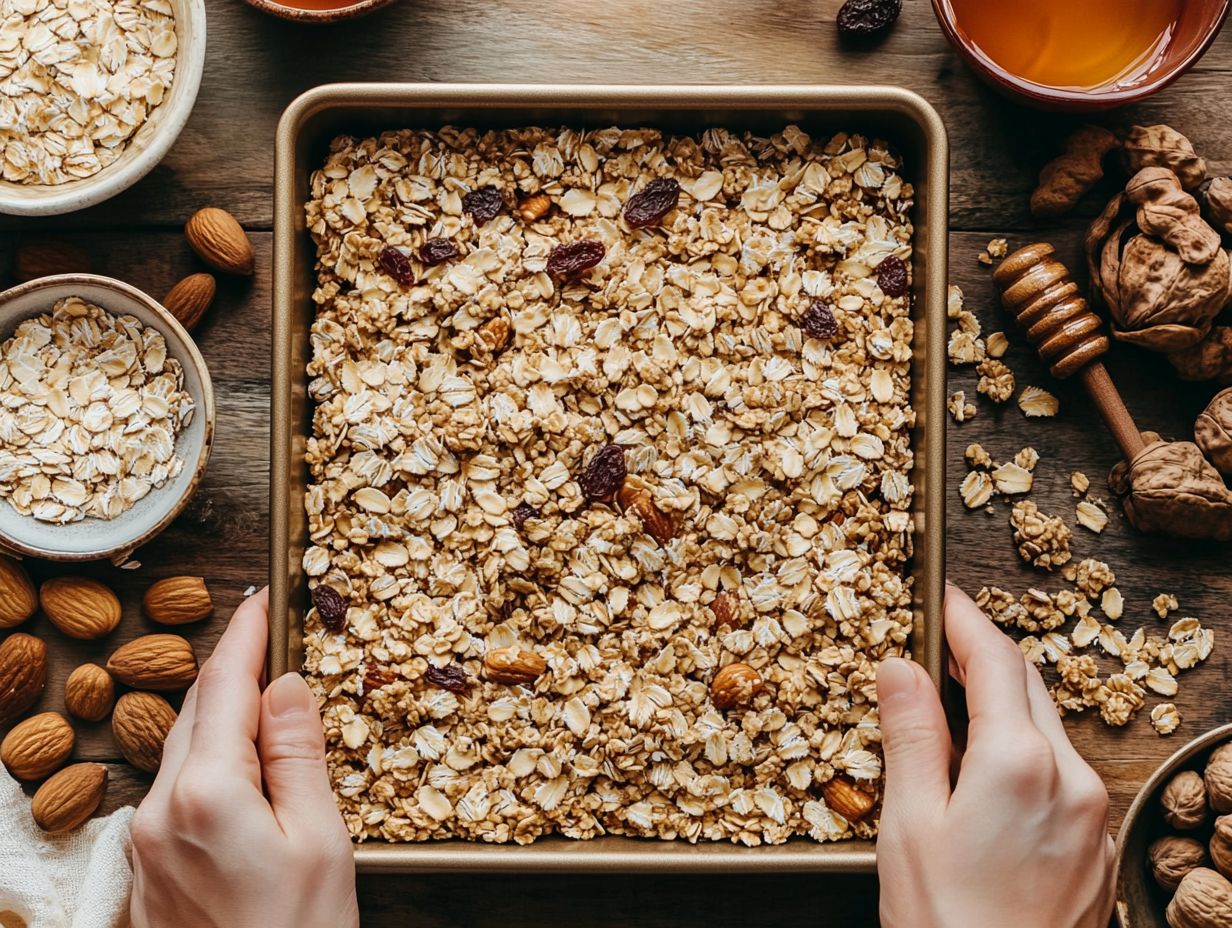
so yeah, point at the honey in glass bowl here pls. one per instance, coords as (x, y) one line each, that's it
(1077, 45)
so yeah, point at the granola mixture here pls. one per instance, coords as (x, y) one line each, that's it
(78, 79)
(568, 466)
(90, 406)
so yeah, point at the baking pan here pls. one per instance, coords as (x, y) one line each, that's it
(304, 133)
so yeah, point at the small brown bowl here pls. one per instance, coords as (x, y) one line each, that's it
(331, 14)
(1199, 23)
(1140, 903)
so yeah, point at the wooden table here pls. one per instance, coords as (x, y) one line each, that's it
(256, 65)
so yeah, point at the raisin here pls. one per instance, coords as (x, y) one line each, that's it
(522, 512)
(331, 607)
(574, 257)
(376, 677)
(450, 677)
(396, 265)
(652, 202)
(862, 19)
(437, 251)
(892, 276)
(483, 204)
(818, 321)
(605, 473)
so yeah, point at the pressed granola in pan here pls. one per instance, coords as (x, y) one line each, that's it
(555, 500)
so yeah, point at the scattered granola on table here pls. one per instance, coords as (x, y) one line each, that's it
(1165, 603)
(995, 250)
(960, 409)
(90, 407)
(609, 448)
(1042, 540)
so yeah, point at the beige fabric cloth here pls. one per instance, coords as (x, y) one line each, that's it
(77, 880)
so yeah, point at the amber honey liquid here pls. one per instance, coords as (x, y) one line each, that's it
(1072, 44)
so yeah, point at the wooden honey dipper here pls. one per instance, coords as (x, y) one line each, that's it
(1038, 290)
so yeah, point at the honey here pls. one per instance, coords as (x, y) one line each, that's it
(1071, 44)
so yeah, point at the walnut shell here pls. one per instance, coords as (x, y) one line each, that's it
(1172, 856)
(1210, 359)
(1171, 489)
(1218, 779)
(1213, 432)
(1216, 199)
(1202, 900)
(1184, 801)
(1163, 146)
(1221, 845)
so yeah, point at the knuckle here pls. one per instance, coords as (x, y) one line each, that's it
(147, 830)
(1088, 794)
(1026, 763)
(195, 800)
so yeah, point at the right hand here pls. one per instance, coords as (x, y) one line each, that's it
(1020, 840)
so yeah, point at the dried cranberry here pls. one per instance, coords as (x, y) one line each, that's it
(652, 202)
(574, 257)
(862, 19)
(523, 511)
(450, 677)
(483, 204)
(437, 251)
(818, 321)
(331, 607)
(892, 276)
(605, 473)
(396, 265)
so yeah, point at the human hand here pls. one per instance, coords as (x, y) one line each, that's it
(209, 847)
(1021, 838)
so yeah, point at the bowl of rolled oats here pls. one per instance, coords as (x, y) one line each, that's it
(92, 96)
(106, 418)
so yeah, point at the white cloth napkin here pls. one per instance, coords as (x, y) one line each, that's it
(78, 880)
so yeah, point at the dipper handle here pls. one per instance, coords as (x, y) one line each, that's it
(1041, 294)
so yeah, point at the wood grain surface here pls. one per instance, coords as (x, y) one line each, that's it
(256, 65)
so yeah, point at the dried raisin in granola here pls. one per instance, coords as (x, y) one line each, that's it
(575, 257)
(892, 276)
(437, 251)
(523, 511)
(861, 19)
(483, 204)
(331, 607)
(652, 202)
(397, 265)
(450, 677)
(818, 321)
(605, 473)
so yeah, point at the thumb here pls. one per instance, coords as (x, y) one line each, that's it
(914, 738)
(292, 751)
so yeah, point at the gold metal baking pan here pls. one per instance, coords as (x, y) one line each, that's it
(308, 125)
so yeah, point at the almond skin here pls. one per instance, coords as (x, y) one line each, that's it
(178, 601)
(18, 598)
(190, 298)
(512, 666)
(80, 607)
(734, 685)
(220, 241)
(38, 746)
(89, 693)
(69, 797)
(155, 662)
(140, 725)
(23, 674)
(42, 259)
(845, 798)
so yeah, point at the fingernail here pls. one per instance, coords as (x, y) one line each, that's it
(896, 680)
(288, 696)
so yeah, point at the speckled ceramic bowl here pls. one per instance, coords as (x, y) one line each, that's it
(1140, 902)
(145, 149)
(331, 14)
(94, 539)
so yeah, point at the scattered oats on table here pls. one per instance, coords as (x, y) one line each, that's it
(1091, 515)
(79, 81)
(960, 409)
(1037, 402)
(90, 407)
(996, 345)
(601, 487)
(996, 380)
(1080, 483)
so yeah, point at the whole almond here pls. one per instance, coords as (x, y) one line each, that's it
(18, 598)
(178, 601)
(69, 797)
(38, 746)
(848, 800)
(42, 259)
(220, 241)
(89, 693)
(23, 674)
(534, 207)
(513, 665)
(734, 685)
(140, 725)
(655, 522)
(190, 298)
(155, 662)
(80, 607)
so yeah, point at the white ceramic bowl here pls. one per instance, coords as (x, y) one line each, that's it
(94, 539)
(145, 149)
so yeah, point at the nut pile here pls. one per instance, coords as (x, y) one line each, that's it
(78, 79)
(39, 747)
(610, 501)
(1193, 864)
(90, 406)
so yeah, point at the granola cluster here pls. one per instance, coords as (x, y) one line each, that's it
(571, 459)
